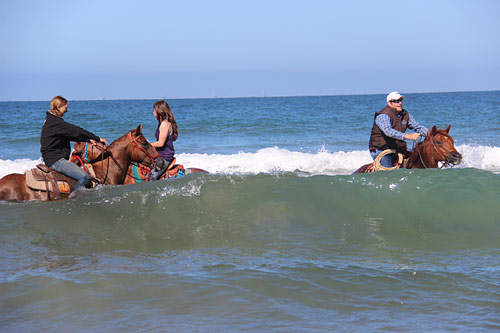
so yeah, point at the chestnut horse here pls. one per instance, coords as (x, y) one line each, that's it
(110, 169)
(137, 172)
(438, 146)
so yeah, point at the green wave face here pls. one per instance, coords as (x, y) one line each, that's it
(403, 210)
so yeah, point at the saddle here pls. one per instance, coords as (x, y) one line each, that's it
(173, 170)
(42, 178)
(142, 173)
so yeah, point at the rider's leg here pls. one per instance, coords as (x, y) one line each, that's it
(73, 171)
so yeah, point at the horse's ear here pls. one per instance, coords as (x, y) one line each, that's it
(138, 130)
(433, 130)
(447, 130)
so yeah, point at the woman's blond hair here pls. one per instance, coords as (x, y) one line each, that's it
(57, 103)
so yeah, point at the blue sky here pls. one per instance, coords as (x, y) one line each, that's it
(188, 49)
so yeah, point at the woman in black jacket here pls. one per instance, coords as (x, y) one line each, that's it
(55, 142)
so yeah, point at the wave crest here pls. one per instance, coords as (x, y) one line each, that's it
(275, 160)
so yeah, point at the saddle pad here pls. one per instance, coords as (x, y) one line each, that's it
(41, 181)
(140, 174)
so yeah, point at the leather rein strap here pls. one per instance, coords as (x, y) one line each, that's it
(104, 150)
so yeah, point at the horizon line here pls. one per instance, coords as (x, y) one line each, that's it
(264, 96)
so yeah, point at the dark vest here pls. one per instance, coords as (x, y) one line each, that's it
(378, 139)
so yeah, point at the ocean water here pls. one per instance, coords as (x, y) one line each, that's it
(278, 237)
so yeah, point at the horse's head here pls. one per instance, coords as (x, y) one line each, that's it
(442, 146)
(87, 152)
(141, 151)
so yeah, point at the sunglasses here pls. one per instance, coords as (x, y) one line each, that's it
(397, 101)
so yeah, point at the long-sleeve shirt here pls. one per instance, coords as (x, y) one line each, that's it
(56, 136)
(384, 123)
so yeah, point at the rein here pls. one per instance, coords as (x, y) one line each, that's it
(103, 150)
(420, 155)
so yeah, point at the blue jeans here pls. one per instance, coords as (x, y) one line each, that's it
(73, 171)
(385, 161)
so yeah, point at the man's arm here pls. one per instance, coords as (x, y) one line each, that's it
(384, 123)
(414, 125)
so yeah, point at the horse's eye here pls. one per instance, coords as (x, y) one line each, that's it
(439, 142)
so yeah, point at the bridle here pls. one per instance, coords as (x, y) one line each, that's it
(441, 156)
(137, 148)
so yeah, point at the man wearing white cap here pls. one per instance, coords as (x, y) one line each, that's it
(389, 127)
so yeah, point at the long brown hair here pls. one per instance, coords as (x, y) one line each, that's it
(163, 111)
(56, 103)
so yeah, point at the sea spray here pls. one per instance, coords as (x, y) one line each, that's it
(274, 160)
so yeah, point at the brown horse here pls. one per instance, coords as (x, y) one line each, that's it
(438, 146)
(110, 168)
(137, 172)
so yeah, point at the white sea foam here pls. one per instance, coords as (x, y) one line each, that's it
(17, 166)
(481, 157)
(272, 160)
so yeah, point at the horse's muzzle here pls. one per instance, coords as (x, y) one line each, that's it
(454, 157)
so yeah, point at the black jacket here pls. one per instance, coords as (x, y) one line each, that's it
(56, 137)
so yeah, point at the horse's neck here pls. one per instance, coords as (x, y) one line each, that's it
(107, 170)
(421, 157)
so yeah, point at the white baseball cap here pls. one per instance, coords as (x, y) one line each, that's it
(394, 96)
